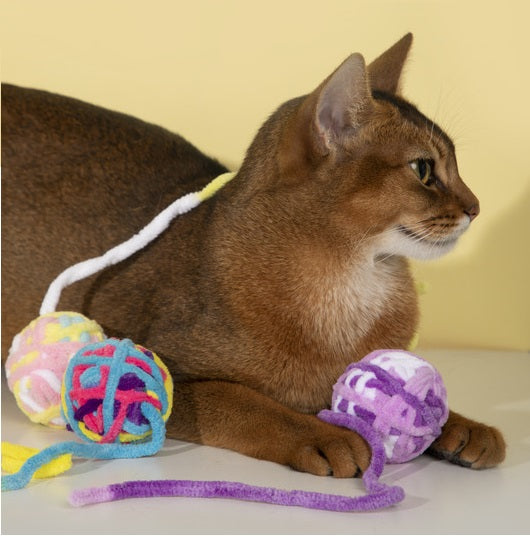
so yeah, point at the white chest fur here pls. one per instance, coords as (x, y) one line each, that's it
(342, 307)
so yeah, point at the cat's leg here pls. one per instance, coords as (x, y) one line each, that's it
(469, 443)
(232, 416)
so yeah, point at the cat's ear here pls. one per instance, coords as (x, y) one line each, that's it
(385, 71)
(344, 100)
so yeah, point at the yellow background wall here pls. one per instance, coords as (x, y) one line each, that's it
(213, 71)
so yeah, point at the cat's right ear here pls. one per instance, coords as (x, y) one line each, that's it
(344, 101)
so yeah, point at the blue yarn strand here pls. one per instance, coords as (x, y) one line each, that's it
(95, 450)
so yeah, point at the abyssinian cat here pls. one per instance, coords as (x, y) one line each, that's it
(259, 299)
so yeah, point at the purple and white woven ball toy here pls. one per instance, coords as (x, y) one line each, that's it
(399, 395)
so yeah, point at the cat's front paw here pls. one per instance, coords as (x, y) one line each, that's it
(329, 450)
(469, 443)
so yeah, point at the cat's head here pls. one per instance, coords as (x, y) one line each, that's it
(387, 172)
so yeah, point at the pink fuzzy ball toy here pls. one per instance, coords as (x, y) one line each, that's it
(38, 359)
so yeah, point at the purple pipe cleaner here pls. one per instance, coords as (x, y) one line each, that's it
(379, 495)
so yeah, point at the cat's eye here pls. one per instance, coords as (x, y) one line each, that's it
(424, 170)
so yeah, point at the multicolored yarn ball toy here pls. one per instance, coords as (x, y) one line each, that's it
(38, 358)
(116, 396)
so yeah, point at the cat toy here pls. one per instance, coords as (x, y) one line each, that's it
(116, 397)
(103, 391)
(394, 399)
(39, 354)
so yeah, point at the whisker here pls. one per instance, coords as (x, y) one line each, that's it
(383, 259)
(420, 231)
(432, 131)
(363, 239)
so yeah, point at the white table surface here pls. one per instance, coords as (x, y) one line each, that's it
(490, 386)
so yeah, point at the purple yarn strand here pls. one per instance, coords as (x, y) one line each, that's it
(379, 495)
(235, 490)
(345, 420)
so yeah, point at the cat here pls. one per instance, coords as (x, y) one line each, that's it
(258, 299)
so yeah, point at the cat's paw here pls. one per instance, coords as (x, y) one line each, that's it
(469, 443)
(331, 451)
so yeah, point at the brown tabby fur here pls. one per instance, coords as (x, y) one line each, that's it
(260, 298)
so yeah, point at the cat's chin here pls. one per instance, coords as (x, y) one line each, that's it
(399, 241)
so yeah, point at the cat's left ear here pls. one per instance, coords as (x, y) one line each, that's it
(385, 71)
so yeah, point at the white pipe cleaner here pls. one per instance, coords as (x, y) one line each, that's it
(122, 251)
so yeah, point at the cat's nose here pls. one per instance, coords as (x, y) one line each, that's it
(472, 211)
